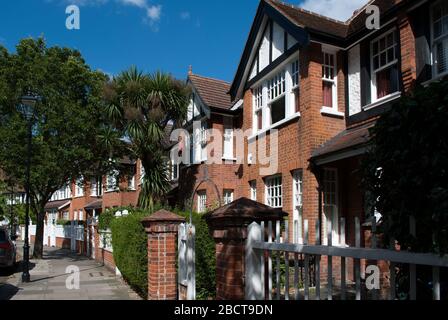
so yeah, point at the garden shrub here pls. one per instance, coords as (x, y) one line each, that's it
(129, 242)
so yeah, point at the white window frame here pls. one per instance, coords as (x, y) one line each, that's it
(335, 208)
(202, 201)
(228, 153)
(113, 176)
(333, 81)
(253, 190)
(96, 187)
(131, 182)
(434, 42)
(274, 191)
(258, 102)
(79, 188)
(227, 196)
(373, 71)
(295, 74)
(262, 87)
(297, 196)
(276, 86)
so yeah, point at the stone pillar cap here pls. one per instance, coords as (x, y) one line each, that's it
(163, 216)
(246, 209)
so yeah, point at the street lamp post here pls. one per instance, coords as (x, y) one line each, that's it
(27, 110)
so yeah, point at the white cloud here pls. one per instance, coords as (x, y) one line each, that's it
(82, 3)
(336, 9)
(137, 3)
(185, 15)
(154, 12)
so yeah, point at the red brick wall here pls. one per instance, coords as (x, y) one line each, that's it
(225, 176)
(298, 138)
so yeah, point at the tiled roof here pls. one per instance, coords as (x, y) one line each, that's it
(97, 204)
(347, 139)
(310, 20)
(319, 23)
(57, 204)
(212, 91)
(357, 22)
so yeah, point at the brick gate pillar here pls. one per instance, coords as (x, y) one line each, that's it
(162, 229)
(228, 226)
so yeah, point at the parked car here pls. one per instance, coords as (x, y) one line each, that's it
(8, 249)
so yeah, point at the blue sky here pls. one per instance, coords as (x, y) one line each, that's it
(166, 35)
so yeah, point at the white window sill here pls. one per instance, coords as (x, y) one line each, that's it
(228, 158)
(331, 112)
(112, 190)
(79, 196)
(275, 125)
(383, 100)
(132, 189)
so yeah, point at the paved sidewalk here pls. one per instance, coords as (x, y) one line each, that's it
(48, 280)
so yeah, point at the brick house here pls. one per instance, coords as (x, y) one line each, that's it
(210, 169)
(292, 79)
(410, 48)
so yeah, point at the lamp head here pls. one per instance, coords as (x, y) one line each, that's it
(28, 102)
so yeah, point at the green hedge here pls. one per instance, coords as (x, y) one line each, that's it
(129, 241)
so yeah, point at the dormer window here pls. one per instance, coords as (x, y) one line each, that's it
(440, 38)
(384, 64)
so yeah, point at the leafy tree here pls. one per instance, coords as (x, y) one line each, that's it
(141, 107)
(67, 132)
(406, 169)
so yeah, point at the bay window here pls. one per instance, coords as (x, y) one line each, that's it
(439, 25)
(276, 97)
(384, 62)
(274, 196)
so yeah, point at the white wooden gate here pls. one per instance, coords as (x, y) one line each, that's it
(267, 247)
(186, 253)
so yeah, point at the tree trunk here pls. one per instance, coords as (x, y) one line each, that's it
(39, 238)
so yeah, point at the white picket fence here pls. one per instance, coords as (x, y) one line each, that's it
(73, 232)
(186, 260)
(265, 246)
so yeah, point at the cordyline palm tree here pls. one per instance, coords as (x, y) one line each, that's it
(141, 106)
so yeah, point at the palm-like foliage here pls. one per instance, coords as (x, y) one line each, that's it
(141, 106)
